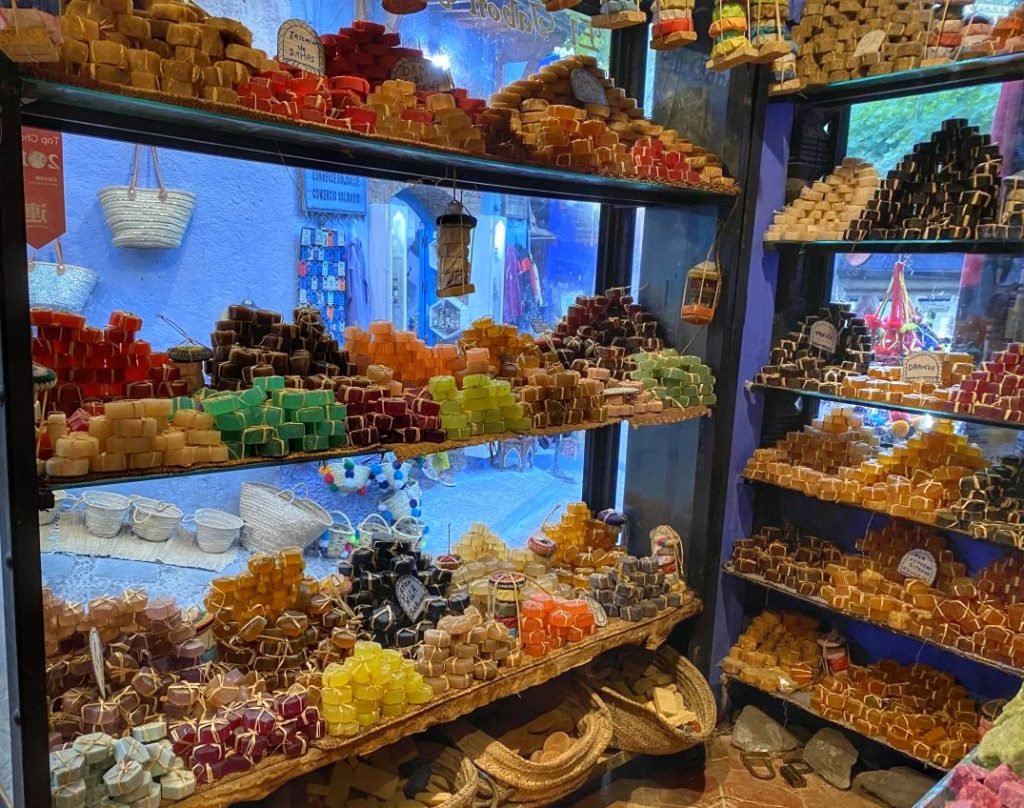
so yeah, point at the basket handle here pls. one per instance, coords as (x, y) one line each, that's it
(372, 519)
(136, 160)
(190, 519)
(296, 488)
(344, 516)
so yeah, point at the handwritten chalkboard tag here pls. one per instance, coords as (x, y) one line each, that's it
(96, 655)
(919, 564)
(824, 336)
(299, 45)
(411, 596)
(596, 609)
(922, 367)
(427, 76)
(586, 88)
(871, 42)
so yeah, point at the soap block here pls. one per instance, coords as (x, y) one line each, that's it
(221, 404)
(290, 430)
(275, 447)
(338, 441)
(230, 422)
(337, 412)
(308, 415)
(268, 383)
(319, 398)
(289, 399)
(252, 396)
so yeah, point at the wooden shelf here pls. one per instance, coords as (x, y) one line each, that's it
(802, 700)
(912, 246)
(402, 451)
(821, 603)
(276, 770)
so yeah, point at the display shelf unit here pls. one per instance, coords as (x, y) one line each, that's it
(913, 246)
(403, 451)
(966, 73)
(277, 770)
(801, 699)
(884, 405)
(235, 132)
(821, 603)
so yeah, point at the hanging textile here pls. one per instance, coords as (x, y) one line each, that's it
(513, 301)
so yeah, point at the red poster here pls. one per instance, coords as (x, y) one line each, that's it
(42, 158)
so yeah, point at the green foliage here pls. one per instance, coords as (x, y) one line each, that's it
(883, 131)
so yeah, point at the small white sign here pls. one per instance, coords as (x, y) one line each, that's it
(919, 564)
(596, 609)
(427, 76)
(824, 336)
(411, 596)
(871, 42)
(922, 367)
(587, 88)
(299, 45)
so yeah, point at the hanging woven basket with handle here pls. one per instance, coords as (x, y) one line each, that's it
(59, 285)
(146, 218)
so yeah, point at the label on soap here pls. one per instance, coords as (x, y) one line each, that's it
(919, 564)
(596, 609)
(96, 653)
(427, 76)
(922, 367)
(299, 45)
(586, 87)
(871, 42)
(411, 595)
(824, 336)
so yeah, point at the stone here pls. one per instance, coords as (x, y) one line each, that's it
(831, 756)
(754, 731)
(898, 787)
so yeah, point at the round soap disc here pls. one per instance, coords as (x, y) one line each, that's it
(190, 352)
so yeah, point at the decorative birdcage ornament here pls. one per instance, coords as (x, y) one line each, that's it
(730, 29)
(454, 239)
(618, 14)
(672, 26)
(703, 288)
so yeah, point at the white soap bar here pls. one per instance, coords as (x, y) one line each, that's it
(108, 462)
(178, 784)
(157, 407)
(151, 732)
(67, 467)
(124, 777)
(124, 409)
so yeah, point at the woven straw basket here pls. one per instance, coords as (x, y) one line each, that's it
(641, 730)
(510, 779)
(146, 218)
(276, 519)
(462, 774)
(59, 285)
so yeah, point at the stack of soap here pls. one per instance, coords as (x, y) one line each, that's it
(100, 364)
(989, 503)
(559, 398)
(370, 684)
(676, 381)
(411, 361)
(778, 652)
(439, 120)
(993, 390)
(824, 210)
(548, 623)
(577, 533)
(633, 673)
(1011, 211)
(946, 188)
(885, 383)
(462, 650)
(251, 343)
(506, 346)
(635, 590)
(629, 397)
(484, 406)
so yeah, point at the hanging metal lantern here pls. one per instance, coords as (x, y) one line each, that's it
(700, 298)
(454, 239)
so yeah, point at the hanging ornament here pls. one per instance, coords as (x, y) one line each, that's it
(454, 237)
(672, 25)
(769, 35)
(729, 28)
(703, 288)
(618, 14)
(403, 6)
(188, 357)
(897, 327)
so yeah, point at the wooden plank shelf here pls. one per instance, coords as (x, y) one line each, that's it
(911, 246)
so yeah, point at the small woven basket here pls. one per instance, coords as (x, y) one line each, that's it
(458, 770)
(216, 530)
(59, 285)
(105, 512)
(276, 519)
(146, 218)
(512, 779)
(339, 535)
(641, 730)
(154, 521)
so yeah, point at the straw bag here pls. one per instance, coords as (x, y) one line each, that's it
(639, 729)
(517, 780)
(58, 285)
(146, 218)
(216, 530)
(276, 519)
(339, 536)
(104, 512)
(374, 528)
(154, 521)
(461, 774)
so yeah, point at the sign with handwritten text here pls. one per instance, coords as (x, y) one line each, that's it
(299, 45)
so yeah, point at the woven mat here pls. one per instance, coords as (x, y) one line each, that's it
(69, 535)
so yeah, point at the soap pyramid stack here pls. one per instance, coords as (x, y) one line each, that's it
(676, 381)
(946, 188)
(830, 30)
(824, 210)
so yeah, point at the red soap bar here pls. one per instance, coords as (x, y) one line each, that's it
(40, 315)
(234, 763)
(315, 115)
(391, 39)
(207, 753)
(259, 720)
(125, 320)
(296, 745)
(361, 117)
(374, 28)
(214, 731)
(68, 320)
(421, 115)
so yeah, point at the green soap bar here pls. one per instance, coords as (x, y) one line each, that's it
(462, 433)
(236, 451)
(476, 428)
(252, 397)
(671, 362)
(514, 411)
(451, 407)
(182, 403)
(289, 399)
(273, 416)
(689, 391)
(520, 424)
(674, 374)
(494, 427)
(222, 404)
(204, 393)
(257, 434)
(506, 400)
(275, 447)
(475, 393)
(475, 416)
(310, 443)
(319, 398)
(337, 441)
(649, 384)
(309, 415)
(708, 399)
(323, 428)
(230, 422)
(640, 374)
(690, 361)
(337, 412)
(475, 380)
(454, 421)
(492, 414)
(290, 430)
(231, 436)
(268, 383)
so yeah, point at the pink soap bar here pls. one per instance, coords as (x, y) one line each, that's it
(980, 797)
(1011, 795)
(998, 776)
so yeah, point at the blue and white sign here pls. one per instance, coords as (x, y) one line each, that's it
(327, 192)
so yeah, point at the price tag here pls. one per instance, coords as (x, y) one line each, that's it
(299, 45)
(871, 42)
(919, 564)
(922, 366)
(411, 595)
(96, 653)
(427, 76)
(596, 609)
(824, 336)
(586, 88)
